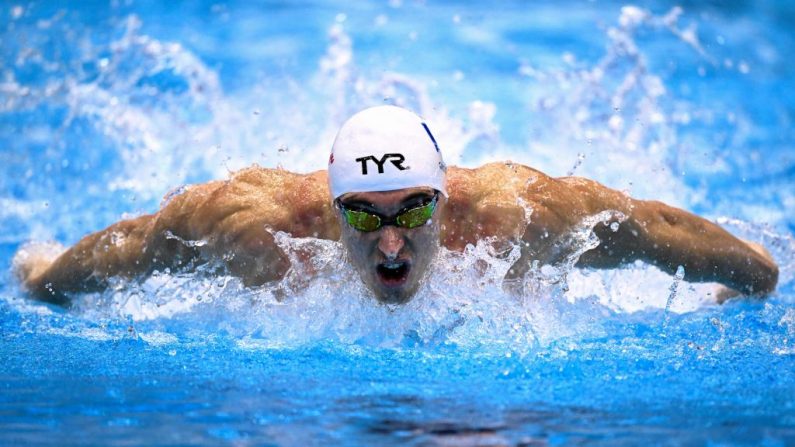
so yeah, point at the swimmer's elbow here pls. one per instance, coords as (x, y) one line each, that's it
(40, 289)
(40, 269)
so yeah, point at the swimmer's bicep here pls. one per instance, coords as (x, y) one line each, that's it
(181, 213)
(246, 244)
(204, 215)
(237, 226)
(576, 203)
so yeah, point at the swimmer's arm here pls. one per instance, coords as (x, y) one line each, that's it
(125, 249)
(669, 237)
(216, 220)
(86, 266)
(234, 225)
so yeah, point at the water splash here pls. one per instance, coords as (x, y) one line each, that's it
(464, 302)
(679, 276)
(614, 112)
(162, 116)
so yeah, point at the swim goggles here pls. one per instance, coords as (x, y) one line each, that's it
(368, 221)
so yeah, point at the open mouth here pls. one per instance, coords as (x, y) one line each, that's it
(393, 273)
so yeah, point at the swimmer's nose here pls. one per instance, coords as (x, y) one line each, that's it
(390, 242)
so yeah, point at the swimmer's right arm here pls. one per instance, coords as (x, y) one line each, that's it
(230, 220)
(125, 249)
(85, 266)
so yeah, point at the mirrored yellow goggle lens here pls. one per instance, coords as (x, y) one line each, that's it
(416, 217)
(362, 221)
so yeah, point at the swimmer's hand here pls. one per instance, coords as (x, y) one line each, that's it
(724, 293)
(761, 250)
(32, 260)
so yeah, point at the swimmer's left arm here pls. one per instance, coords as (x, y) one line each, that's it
(668, 237)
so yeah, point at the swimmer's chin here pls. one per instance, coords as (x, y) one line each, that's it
(394, 294)
(393, 299)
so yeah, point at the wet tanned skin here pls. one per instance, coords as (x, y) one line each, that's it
(508, 202)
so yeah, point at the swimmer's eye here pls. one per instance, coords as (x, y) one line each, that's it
(418, 216)
(412, 218)
(362, 220)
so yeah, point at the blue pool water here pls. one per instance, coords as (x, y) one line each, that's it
(107, 106)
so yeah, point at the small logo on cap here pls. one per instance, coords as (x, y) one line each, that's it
(431, 135)
(331, 159)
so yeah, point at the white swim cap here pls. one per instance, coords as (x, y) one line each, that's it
(385, 148)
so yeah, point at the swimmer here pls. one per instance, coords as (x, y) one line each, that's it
(392, 201)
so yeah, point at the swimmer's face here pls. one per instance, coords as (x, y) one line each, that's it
(392, 260)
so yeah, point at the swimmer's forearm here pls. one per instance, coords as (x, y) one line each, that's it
(116, 251)
(670, 237)
(129, 248)
(666, 237)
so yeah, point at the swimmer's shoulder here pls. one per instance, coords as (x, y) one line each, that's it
(297, 203)
(277, 185)
(493, 180)
(259, 176)
(488, 201)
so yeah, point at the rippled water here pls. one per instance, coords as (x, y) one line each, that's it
(104, 108)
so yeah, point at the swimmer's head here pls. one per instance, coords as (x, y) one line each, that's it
(383, 149)
(387, 180)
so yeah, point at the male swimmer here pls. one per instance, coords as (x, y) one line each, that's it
(392, 201)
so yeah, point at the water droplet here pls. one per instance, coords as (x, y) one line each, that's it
(17, 11)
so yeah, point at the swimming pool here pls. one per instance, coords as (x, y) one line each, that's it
(108, 106)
